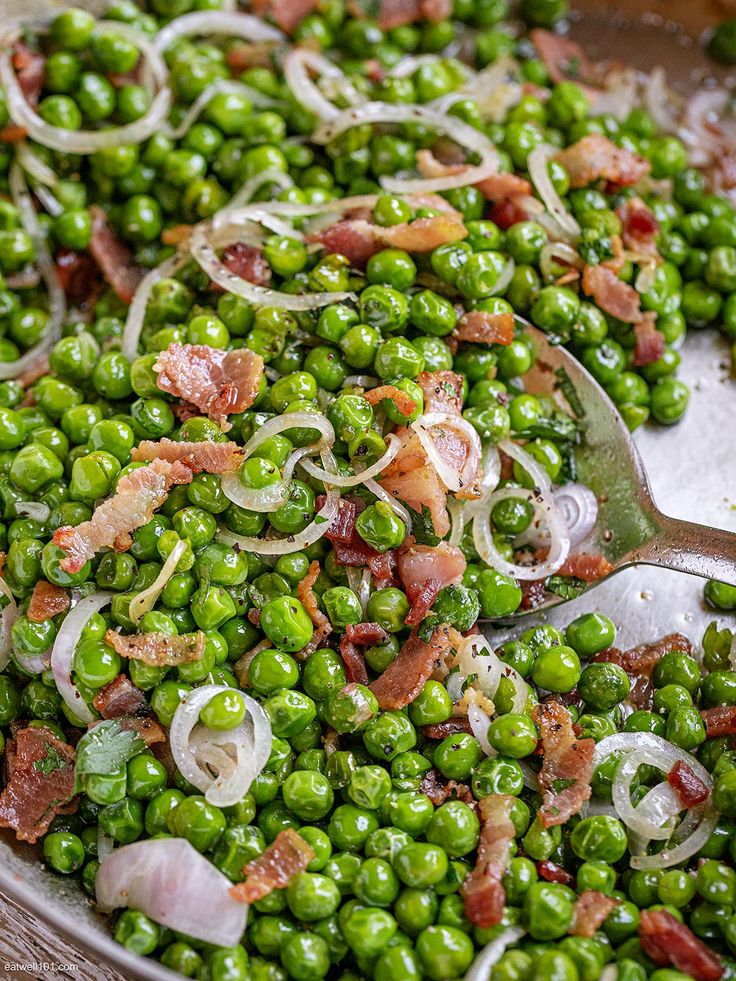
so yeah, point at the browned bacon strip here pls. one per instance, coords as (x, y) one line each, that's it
(483, 893)
(47, 602)
(308, 598)
(115, 260)
(421, 596)
(287, 14)
(589, 912)
(418, 564)
(565, 60)
(689, 787)
(649, 341)
(158, 650)
(275, 868)
(552, 872)
(440, 730)
(611, 293)
(439, 789)
(565, 759)
(358, 238)
(30, 72)
(639, 228)
(203, 456)
(120, 698)
(137, 496)
(355, 669)
(720, 721)
(595, 157)
(217, 382)
(40, 782)
(403, 402)
(247, 262)
(584, 566)
(366, 633)
(667, 941)
(478, 327)
(404, 678)
(442, 390)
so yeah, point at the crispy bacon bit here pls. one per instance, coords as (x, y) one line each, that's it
(355, 669)
(642, 659)
(483, 893)
(30, 72)
(203, 456)
(590, 911)
(564, 59)
(595, 157)
(690, 788)
(287, 14)
(342, 528)
(442, 390)
(119, 698)
(612, 294)
(587, 567)
(410, 478)
(639, 228)
(421, 596)
(40, 782)
(496, 187)
(79, 277)
(404, 678)
(308, 598)
(552, 872)
(567, 760)
(176, 235)
(439, 789)
(396, 13)
(366, 633)
(454, 726)
(249, 54)
(137, 496)
(418, 564)
(649, 341)
(148, 729)
(477, 327)
(47, 602)
(667, 941)
(284, 859)
(12, 134)
(720, 721)
(158, 650)
(533, 593)
(403, 402)
(247, 262)
(115, 260)
(217, 382)
(510, 211)
(349, 547)
(358, 238)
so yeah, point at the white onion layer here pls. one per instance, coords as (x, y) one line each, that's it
(146, 600)
(237, 755)
(579, 507)
(482, 967)
(208, 23)
(435, 424)
(62, 653)
(8, 616)
(137, 310)
(537, 163)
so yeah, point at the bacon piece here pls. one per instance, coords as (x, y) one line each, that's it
(454, 726)
(495, 187)
(40, 782)
(649, 341)
(442, 390)
(342, 528)
(404, 678)
(720, 721)
(410, 478)
(30, 72)
(587, 567)
(218, 383)
(595, 157)
(158, 650)
(358, 238)
(483, 893)
(690, 788)
(590, 911)
(12, 134)
(642, 659)
(533, 593)
(203, 456)
(552, 872)
(353, 238)
(120, 697)
(510, 211)
(115, 260)
(79, 277)
(308, 598)
(639, 228)
(137, 496)
(418, 564)
(667, 941)
(366, 633)
(403, 402)
(396, 13)
(349, 547)
(287, 14)
(250, 54)
(247, 262)
(148, 729)
(439, 790)
(284, 859)
(478, 327)
(355, 669)
(421, 596)
(566, 759)
(611, 293)
(47, 602)
(565, 60)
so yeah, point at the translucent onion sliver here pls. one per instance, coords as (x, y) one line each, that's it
(482, 967)
(537, 163)
(8, 616)
(62, 653)
(341, 480)
(146, 600)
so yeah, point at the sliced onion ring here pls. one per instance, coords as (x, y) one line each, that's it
(8, 616)
(174, 884)
(208, 23)
(137, 309)
(146, 600)
(579, 507)
(249, 746)
(62, 653)
(404, 514)
(535, 469)
(424, 426)
(223, 86)
(393, 447)
(537, 163)
(462, 133)
(297, 65)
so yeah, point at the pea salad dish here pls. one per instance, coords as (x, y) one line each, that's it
(272, 457)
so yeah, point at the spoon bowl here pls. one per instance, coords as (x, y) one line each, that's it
(630, 529)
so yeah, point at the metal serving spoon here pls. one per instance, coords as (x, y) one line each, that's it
(630, 528)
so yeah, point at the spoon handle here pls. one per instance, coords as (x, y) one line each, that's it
(689, 547)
